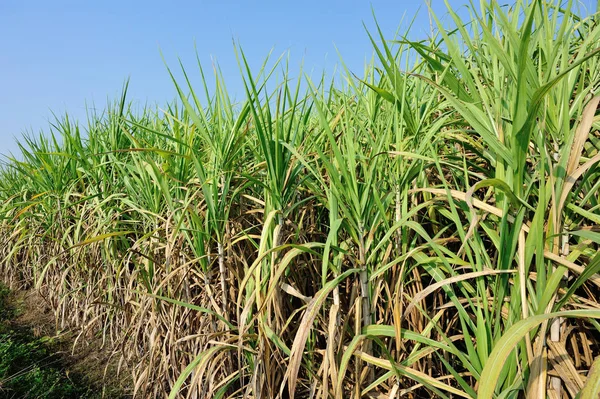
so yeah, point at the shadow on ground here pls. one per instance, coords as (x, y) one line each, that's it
(37, 362)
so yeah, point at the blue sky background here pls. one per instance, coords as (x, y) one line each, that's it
(58, 56)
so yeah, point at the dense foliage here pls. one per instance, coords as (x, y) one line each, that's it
(411, 233)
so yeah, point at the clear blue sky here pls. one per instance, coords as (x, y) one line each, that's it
(65, 55)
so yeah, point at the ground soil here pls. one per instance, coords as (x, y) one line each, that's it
(88, 360)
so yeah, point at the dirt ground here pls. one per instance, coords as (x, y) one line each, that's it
(97, 366)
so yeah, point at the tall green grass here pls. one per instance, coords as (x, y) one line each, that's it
(428, 229)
